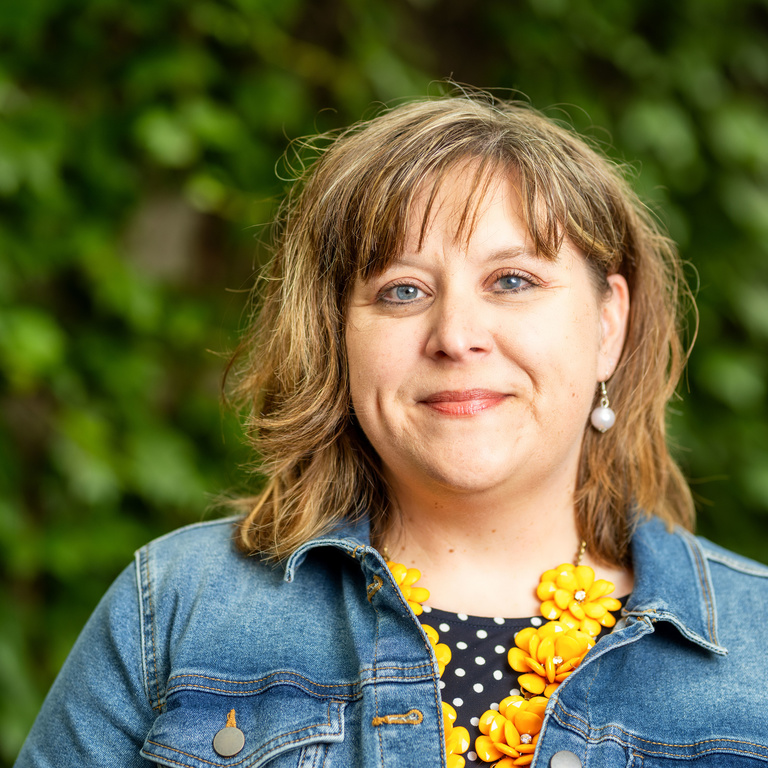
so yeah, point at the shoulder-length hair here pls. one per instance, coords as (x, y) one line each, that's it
(345, 219)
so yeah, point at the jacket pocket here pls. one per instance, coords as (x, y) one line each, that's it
(281, 725)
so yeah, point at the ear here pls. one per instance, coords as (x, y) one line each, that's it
(614, 317)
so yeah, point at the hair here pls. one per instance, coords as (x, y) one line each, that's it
(345, 218)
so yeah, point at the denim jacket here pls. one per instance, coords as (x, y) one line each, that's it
(324, 664)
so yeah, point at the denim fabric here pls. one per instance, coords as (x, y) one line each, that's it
(325, 664)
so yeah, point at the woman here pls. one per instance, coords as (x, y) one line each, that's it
(458, 375)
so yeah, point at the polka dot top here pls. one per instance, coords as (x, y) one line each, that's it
(478, 676)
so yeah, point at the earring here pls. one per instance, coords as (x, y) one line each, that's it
(603, 417)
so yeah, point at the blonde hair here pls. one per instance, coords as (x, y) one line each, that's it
(346, 217)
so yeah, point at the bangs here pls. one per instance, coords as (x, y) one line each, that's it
(379, 183)
(545, 226)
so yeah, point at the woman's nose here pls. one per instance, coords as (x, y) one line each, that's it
(458, 329)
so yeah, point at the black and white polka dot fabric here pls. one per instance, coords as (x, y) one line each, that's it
(478, 676)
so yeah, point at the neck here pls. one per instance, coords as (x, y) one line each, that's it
(484, 556)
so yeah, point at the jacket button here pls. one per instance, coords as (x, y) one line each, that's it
(228, 741)
(564, 759)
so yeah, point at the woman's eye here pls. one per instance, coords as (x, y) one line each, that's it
(512, 283)
(402, 293)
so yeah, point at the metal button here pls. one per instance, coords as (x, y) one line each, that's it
(564, 759)
(228, 741)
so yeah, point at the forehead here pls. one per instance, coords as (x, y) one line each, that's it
(481, 202)
(456, 199)
(486, 211)
(459, 210)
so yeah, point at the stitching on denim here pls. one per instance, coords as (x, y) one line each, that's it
(728, 750)
(306, 760)
(567, 717)
(375, 677)
(249, 756)
(395, 679)
(660, 753)
(291, 681)
(291, 675)
(145, 672)
(310, 756)
(159, 705)
(681, 626)
(318, 753)
(411, 667)
(692, 744)
(231, 719)
(262, 679)
(191, 687)
(440, 721)
(374, 587)
(633, 738)
(411, 717)
(700, 572)
(737, 565)
(595, 675)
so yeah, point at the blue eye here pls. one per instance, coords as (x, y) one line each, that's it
(406, 292)
(512, 283)
(401, 294)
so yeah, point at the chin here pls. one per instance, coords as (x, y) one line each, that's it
(473, 477)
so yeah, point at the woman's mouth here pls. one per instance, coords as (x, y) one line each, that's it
(466, 402)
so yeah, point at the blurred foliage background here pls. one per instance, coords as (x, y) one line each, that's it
(138, 145)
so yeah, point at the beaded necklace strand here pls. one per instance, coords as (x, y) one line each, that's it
(577, 606)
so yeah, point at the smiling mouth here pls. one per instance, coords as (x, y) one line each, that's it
(466, 402)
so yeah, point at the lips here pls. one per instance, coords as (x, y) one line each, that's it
(465, 402)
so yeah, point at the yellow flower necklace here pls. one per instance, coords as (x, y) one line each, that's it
(577, 607)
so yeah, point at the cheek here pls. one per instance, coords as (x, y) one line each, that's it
(370, 363)
(357, 367)
(377, 355)
(559, 349)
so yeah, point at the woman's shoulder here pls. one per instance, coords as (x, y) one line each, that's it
(665, 545)
(201, 567)
(738, 564)
(200, 558)
(736, 586)
(209, 537)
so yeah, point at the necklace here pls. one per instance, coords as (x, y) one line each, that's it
(577, 606)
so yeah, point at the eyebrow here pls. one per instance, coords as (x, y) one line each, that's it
(502, 254)
(518, 252)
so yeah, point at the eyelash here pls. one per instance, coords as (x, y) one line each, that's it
(530, 282)
(493, 280)
(382, 297)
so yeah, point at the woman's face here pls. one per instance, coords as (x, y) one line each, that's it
(474, 363)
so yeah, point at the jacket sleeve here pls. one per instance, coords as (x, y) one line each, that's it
(98, 712)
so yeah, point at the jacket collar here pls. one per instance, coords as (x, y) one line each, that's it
(673, 583)
(672, 578)
(351, 536)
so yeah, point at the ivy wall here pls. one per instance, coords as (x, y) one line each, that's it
(138, 150)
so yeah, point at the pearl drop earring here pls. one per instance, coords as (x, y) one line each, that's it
(603, 417)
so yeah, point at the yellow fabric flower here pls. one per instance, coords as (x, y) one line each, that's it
(547, 655)
(510, 735)
(406, 578)
(571, 594)
(456, 738)
(442, 651)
